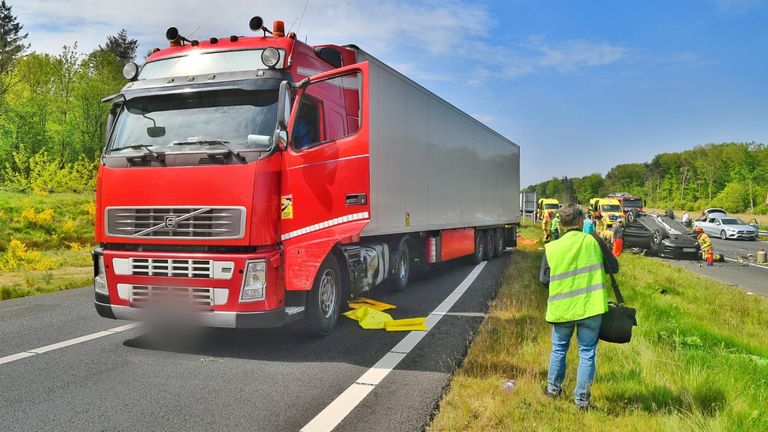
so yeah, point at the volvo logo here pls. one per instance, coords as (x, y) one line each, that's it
(170, 223)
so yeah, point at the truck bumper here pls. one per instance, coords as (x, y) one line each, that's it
(264, 319)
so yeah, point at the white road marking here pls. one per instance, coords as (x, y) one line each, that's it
(66, 343)
(334, 413)
(748, 263)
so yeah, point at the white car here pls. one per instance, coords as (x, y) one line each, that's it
(727, 227)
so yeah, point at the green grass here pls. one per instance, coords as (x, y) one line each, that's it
(56, 232)
(71, 220)
(697, 361)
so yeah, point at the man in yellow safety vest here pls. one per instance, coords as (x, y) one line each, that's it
(573, 269)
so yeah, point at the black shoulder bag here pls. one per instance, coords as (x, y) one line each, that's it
(619, 320)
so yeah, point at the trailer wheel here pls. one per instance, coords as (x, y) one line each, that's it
(479, 247)
(324, 300)
(398, 280)
(490, 245)
(499, 240)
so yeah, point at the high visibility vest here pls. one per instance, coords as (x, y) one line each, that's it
(576, 278)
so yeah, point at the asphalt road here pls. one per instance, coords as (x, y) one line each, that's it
(735, 271)
(216, 379)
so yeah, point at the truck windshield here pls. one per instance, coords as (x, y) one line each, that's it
(633, 203)
(161, 123)
(551, 206)
(611, 208)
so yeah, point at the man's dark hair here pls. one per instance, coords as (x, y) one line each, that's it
(570, 215)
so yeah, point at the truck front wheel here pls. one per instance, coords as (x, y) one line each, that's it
(323, 301)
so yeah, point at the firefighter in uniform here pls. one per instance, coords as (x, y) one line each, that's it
(546, 225)
(705, 244)
(573, 269)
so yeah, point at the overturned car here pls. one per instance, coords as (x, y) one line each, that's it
(660, 235)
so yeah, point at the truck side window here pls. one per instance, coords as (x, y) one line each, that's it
(306, 131)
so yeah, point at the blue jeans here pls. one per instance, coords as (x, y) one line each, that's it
(587, 331)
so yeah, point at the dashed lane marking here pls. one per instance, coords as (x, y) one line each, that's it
(66, 343)
(334, 413)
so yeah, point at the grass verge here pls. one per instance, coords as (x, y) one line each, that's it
(697, 361)
(45, 242)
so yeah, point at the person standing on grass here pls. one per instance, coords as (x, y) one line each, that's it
(618, 238)
(589, 226)
(556, 226)
(546, 225)
(573, 269)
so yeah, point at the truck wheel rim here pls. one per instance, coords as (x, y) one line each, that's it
(327, 293)
(403, 267)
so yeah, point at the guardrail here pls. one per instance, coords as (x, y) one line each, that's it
(765, 233)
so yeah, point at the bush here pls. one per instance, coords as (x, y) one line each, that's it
(29, 216)
(17, 256)
(43, 174)
(734, 198)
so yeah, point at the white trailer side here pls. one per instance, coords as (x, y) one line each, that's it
(432, 165)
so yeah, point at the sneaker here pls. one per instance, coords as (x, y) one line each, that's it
(551, 395)
(583, 408)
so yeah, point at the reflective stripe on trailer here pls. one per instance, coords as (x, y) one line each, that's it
(333, 222)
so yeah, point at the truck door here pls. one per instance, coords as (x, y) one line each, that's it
(325, 171)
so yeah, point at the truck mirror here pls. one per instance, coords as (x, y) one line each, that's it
(156, 131)
(284, 106)
(259, 142)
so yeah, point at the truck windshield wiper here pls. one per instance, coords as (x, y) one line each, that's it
(222, 143)
(159, 157)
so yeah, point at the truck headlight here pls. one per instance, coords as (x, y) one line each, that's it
(100, 278)
(254, 281)
(270, 57)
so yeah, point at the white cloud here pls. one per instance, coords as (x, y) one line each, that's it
(434, 41)
(435, 26)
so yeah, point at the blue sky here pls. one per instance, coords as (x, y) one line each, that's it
(581, 86)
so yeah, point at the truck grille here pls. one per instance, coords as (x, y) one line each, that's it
(176, 222)
(185, 268)
(145, 295)
(172, 267)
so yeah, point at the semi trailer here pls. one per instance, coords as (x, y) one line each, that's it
(255, 181)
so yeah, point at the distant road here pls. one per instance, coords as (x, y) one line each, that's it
(62, 367)
(751, 278)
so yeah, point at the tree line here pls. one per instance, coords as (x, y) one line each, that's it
(730, 175)
(52, 121)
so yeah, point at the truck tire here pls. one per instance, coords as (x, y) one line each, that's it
(398, 280)
(498, 235)
(490, 245)
(479, 254)
(324, 300)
